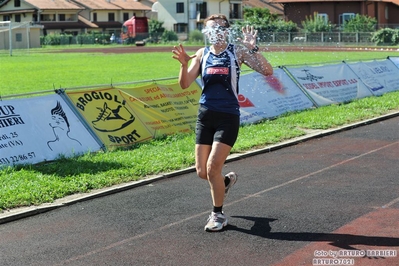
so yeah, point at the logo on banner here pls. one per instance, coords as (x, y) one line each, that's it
(310, 76)
(120, 117)
(61, 129)
(107, 112)
(244, 101)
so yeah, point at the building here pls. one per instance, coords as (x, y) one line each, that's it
(74, 16)
(337, 12)
(183, 16)
(275, 9)
(23, 35)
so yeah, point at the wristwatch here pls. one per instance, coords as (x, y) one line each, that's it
(254, 50)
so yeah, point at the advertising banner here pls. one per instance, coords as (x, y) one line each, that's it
(395, 60)
(164, 109)
(329, 84)
(379, 76)
(266, 97)
(41, 129)
(109, 116)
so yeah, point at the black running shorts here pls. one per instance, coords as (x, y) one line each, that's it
(216, 127)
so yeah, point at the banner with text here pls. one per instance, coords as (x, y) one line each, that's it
(41, 129)
(379, 76)
(329, 84)
(395, 60)
(164, 109)
(110, 116)
(266, 97)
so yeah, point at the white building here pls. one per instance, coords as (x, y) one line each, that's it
(183, 16)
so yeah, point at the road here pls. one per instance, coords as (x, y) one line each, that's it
(303, 204)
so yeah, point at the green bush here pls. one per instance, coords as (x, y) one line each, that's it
(360, 23)
(196, 36)
(316, 24)
(155, 30)
(168, 36)
(56, 39)
(386, 36)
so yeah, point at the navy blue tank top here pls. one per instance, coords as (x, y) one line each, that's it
(220, 75)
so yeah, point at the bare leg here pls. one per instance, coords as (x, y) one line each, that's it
(214, 160)
(201, 158)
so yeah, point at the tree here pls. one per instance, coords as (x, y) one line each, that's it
(259, 16)
(386, 36)
(263, 21)
(316, 24)
(155, 29)
(360, 23)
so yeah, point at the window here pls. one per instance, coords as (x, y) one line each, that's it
(180, 27)
(6, 18)
(111, 16)
(17, 18)
(345, 17)
(179, 7)
(94, 16)
(61, 17)
(18, 37)
(125, 16)
(17, 3)
(201, 10)
(323, 16)
(235, 11)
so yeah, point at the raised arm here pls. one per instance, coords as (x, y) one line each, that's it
(187, 74)
(250, 54)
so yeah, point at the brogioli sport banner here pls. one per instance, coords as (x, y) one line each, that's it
(121, 117)
(329, 84)
(41, 129)
(379, 76)
(266, 97)
(108, 114)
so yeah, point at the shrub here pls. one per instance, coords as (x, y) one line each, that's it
(360, 23)
(316, 24)
(196, 36)
(386, 36)
(168, 36)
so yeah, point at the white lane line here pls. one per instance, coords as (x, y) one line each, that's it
(389, 204)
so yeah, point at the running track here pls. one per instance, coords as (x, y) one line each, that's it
(295, 205)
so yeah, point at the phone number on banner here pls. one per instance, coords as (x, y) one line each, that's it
(17, 158)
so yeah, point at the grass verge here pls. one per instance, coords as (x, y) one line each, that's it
(37, 184)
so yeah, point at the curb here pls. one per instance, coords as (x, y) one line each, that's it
(20, 213)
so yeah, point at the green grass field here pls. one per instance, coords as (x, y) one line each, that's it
(42, 71)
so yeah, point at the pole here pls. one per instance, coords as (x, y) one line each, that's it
(28, 35)
(188, 19)
(10, 37)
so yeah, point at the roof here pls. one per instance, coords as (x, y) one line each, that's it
(130, 4)
(87, 22)
(98, 4)
(19, 11)
(396, 2)
(113, 4)
(53, 4)
(108, 24)
(274, 8)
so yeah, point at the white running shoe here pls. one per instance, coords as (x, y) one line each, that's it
(233, 179)
(216, 222)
